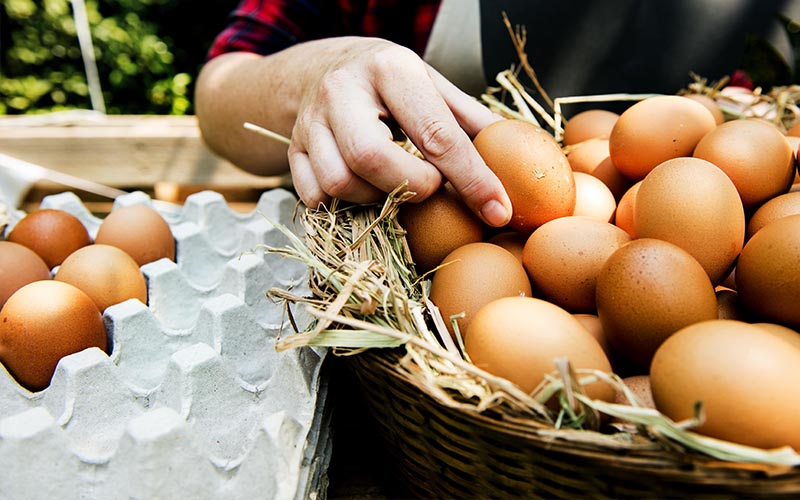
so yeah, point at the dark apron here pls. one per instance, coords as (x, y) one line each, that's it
(581, 47)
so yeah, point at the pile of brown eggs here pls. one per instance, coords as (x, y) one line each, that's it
(56, 281)
(661, 243)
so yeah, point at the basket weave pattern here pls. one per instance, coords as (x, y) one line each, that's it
(443, 452)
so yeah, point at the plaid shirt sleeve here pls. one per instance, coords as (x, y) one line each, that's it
(265, 27)
(268, 26)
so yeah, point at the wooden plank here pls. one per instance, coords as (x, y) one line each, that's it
(128, 152)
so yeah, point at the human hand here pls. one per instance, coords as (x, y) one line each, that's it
(342, 147)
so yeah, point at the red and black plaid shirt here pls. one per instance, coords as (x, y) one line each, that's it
(267, 26)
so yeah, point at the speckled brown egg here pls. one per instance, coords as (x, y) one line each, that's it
(438, 225)
(104, 272)
(768, 272)
(589, 124)
(43, 322)
(519, 339)
(655, 130)
(564, 256)
(693, 204)
(19, 265)
(533, 170)
(647, 290)
(755, 155)
(639, 386)
(140, 231)
(51, 233)
(473, 275)
(744, 376)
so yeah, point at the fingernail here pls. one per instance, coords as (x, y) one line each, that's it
(495, 214)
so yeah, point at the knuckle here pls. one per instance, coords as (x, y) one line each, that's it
(438, 138)
(338, 184)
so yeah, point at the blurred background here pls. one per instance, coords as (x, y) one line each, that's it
(147, 53)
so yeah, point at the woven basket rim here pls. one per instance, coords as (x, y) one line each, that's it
(642, 457)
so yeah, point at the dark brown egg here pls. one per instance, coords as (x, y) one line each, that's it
(647, 290)
(52, 234)
(768, 272)
(438, 225)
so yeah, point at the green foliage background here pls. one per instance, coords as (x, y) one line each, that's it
(148, 54)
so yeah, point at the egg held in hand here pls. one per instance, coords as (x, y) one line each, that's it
(534, 171)
(43, 322)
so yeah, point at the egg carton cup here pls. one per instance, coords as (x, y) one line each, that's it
(193, 400)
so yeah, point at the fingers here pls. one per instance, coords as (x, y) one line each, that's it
(425, 114)
(324, 172)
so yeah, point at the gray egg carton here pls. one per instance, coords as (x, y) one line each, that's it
(194, 401)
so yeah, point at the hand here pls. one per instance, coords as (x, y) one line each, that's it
(342, 147)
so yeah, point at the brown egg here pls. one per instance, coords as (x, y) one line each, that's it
(745, 378)
(592, 157)
(756, 157)
(476, 274)
(501, 341)
(438, 225)
(533, 169)
(512, 241)
(43, 322)
(623, 216)
(655, 130)
(794, 130)
(693, 204)
(564, 256)
(647, 290)
(589, 124)
(710, 104)
(52, 234)
(19, 265)
(593, 198)
(639, 385)
(104, 272)
(140, 231)
(774, 208)
(768, 272)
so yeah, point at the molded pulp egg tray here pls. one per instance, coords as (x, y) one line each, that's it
(193, 400)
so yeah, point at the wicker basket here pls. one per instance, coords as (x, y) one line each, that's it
(444, 452)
